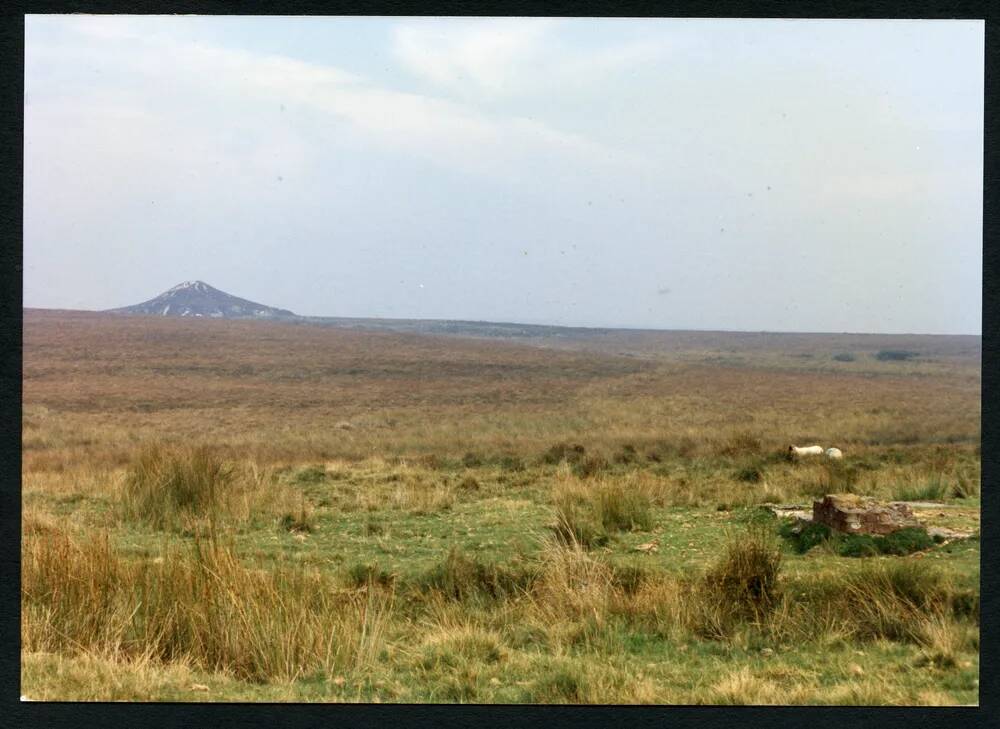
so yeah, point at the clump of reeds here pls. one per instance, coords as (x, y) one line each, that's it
(743, 585)
(203, 606)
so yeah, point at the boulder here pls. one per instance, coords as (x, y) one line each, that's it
(852, 514)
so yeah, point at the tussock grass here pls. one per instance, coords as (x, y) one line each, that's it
(572, 585)
(169, 488)
(741, 687)
(576, 523)
(620, 508)
(742, 585)
(839, 477)
(178, 488)
(887, 599)
(204, 608)
(741, 443)
(463, 578)
(367, 574)
(589, 512)
(932, 489)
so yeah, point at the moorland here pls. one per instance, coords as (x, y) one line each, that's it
(223, 510)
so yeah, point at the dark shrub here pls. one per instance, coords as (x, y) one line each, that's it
(803, 537)
(471, 460)
(627, 455)
(511, 463)
(468, 484)
(965, 604)
(590, 466)
(362, 574)
(563, 452)
(844, 357)
(857, 545)
(895, 355)
(901, 542)
(905, 541)
(460, 577)
(310, 474)
(750, 474)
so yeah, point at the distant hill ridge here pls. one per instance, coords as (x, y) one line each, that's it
(198, 299)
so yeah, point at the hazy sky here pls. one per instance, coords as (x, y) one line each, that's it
(704, 174)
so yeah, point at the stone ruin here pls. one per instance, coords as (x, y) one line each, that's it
(852, 514)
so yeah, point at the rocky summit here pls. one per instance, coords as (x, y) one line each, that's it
(198, 299)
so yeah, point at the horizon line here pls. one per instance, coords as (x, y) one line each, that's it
(523, 324)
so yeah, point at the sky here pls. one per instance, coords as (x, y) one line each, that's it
(757, 175)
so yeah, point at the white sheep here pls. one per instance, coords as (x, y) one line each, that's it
(813, 450)
(834, 453)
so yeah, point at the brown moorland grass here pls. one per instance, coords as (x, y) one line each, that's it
(381, 524)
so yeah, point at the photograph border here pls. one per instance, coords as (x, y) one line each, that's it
(71, 714)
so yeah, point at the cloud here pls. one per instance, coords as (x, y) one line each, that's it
(508, 56)
(486, 53)
(443, 131)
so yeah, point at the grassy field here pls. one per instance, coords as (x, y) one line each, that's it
(244, 511)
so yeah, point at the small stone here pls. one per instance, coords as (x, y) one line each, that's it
(856, 669)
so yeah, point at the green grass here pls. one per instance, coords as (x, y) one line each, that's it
(933, 489)
(484, 610)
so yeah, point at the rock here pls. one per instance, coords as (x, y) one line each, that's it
(862, 515)
(947, 534)
(794, 511)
